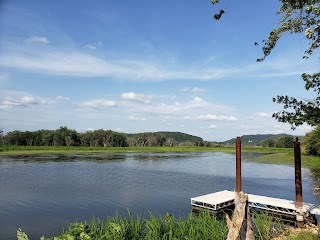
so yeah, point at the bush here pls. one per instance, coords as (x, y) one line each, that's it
(311, 143)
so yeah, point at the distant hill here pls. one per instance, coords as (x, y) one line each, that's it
(256, 139)
(181, 137)
(176, 136)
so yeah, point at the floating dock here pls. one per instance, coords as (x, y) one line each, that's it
(219, 201)
(224, 200)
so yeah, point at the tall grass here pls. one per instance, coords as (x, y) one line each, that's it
(202, 226)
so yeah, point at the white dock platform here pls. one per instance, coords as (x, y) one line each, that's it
(220, 200)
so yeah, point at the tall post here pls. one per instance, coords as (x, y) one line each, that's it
(298, 181)
(238, 165)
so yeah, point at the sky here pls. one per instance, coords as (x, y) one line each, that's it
(146, 66)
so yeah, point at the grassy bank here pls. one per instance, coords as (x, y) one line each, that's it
(7, 150)
(195, 227)
(287, 158)
(282, 156)
(118, 227)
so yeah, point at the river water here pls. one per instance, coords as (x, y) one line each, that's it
(43, 193)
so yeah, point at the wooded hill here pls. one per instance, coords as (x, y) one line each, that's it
(98, 138)
(178, 137)
(256, 139)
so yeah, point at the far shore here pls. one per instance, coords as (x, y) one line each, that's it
(283, 156)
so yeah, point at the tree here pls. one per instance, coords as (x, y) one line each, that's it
(269, 142)
(311, 143)
(1, 136)
(284, 142)
(296, 17)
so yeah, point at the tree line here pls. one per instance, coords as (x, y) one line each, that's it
(281, 142)
(98, 138)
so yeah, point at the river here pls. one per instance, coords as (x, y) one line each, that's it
(43, 193)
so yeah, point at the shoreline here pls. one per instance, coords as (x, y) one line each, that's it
(282, 156)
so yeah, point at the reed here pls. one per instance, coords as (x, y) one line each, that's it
(167, 227)
(118, 227)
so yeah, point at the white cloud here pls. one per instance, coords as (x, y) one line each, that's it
(136, 97)
(212, 117)
(37, 39)
(213, 126)
(134, 118)
(62, 98)
(250, 127)
(93, 46)
(193, 90)
(196, 106)
(82, 64)
(98, 104)
(24, 101)
(263, 114)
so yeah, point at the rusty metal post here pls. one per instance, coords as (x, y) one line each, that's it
(238, 165)
(298, 181)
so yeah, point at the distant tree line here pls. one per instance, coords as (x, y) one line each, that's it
(281, 142)
(98, 138)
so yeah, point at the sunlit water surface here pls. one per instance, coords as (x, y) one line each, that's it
(42, 194)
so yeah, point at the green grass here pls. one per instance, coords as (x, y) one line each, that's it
(8, 150)
(5, 150)
(193, 227)
(168, 227)
(282, 156)
(287, 158)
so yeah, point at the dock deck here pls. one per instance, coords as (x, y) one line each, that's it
(220, 200)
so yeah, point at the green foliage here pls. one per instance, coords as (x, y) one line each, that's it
(311, 143)
(284, 142)
(21, 235)
(265, 140)
(296, 17)
(203, 226)
(266, 226)
(193, 227)
(163, 139)
(269, 142)
(98, 138)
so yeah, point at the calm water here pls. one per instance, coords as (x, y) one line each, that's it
(42, 194)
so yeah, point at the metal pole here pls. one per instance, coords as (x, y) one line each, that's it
(238, 165)
(298, 181)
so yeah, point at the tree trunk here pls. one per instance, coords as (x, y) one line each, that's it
(241, 221)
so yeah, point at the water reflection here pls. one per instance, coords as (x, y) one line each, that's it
(97, 158)
(41, 193)
(314, 181)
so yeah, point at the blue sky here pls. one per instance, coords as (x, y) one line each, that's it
(140, 66)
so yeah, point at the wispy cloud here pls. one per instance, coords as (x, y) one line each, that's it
(98, 104)
(82, 64)
(132, 96)
(193, 90)
(263, 114)
(24, 101)
(37, 39)
(196, 105)
(213, 117)
(213, 126)
(62, 98)
(93, 46)
(250, 127)
(135, 118)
